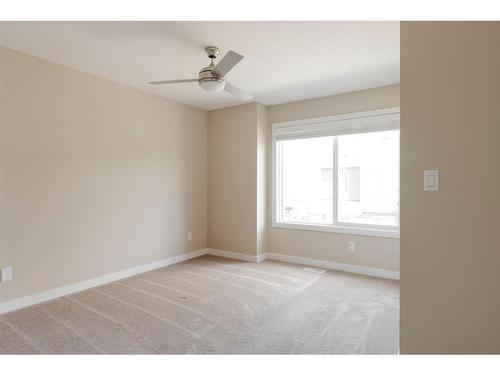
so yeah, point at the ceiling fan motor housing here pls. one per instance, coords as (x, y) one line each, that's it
(207, 80)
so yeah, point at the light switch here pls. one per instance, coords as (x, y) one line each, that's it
(431, 180)
(6, 274)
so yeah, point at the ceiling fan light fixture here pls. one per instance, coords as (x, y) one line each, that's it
(212, 84)
(211, 77)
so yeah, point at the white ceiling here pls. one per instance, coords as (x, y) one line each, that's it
(284, 61)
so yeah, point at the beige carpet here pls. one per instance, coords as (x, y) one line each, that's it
(215, 305)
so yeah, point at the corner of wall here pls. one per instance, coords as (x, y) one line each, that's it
(261, 178)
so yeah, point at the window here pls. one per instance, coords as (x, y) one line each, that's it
(338, 174)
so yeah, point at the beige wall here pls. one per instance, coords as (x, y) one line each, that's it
(261, 179)
(237, 143)
(450, 258)
(370, 251)
(232, 179)
(239, 188)
(95, 177)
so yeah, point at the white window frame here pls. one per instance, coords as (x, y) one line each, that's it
(320, 124)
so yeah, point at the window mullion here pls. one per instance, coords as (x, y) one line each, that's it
(279, 183)
(335, 182)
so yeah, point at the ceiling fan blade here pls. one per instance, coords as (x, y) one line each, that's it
(237, 92)
(227, 63)
(172, 81)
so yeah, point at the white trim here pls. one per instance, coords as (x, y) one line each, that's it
(335, 229)
(22, 302)
(236, 255)
(345, 116)
(370, 271)
(355, 229)
(19, 303)
(377, 272)
(262, 257)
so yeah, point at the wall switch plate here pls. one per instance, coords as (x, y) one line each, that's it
(6, 274)
(351, 246)
(190, 236)
(431, 180)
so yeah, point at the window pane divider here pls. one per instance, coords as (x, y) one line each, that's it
(335, 184)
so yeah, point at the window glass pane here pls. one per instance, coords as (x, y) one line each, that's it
(307, 180)
(368, 178)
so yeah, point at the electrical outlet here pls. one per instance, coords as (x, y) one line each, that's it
(190, 236)
(351, 246)
(6, 274)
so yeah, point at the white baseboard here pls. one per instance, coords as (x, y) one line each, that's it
(378, 272)
(262, 256)
(233, 255)
(19, 303)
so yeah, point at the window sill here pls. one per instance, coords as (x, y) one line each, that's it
(345, 230)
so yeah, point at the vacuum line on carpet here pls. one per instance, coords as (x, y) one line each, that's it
(182, 306)
(60, 322)
(34, 345)
(126, 327)
(168, 321)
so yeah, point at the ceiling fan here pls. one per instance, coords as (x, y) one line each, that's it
(211, 78)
